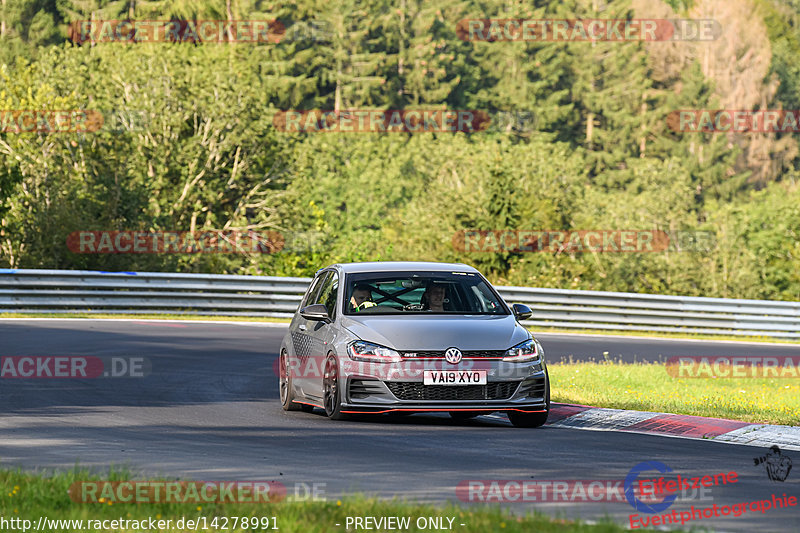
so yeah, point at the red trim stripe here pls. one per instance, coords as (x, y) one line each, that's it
(306, 403)
(441, 410)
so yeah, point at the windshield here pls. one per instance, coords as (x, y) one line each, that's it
(380, 293)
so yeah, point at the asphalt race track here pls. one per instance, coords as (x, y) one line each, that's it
(209, 410)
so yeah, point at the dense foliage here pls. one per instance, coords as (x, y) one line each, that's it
(584, 141)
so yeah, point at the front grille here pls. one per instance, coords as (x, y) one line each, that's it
(414, 390)
(362, 388)
(439, 354)
(533, 388)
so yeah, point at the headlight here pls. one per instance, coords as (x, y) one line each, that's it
(373, 353)
(524, 352)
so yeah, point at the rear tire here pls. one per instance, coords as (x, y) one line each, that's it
(332, 394)
(464, 415)
(287, 388)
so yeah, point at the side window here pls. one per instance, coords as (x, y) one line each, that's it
(313, 291)
(328, 293)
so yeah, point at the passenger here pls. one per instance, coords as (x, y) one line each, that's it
(361, 298)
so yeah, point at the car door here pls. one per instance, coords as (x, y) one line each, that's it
(304, 373)
(323, 334)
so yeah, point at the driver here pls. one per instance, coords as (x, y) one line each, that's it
(361, 298)
(434, 298)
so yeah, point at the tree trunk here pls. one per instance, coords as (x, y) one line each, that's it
(402, 48)
(337, 104)
(589, 129)
(643, 139)
(229, 13)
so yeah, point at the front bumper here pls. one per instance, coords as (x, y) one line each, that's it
(385, 388)
(374, 409)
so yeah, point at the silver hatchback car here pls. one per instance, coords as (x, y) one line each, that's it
(408, 337)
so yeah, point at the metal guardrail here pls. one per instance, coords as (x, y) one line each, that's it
(79, 291)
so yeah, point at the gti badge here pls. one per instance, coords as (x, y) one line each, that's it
(453, 356)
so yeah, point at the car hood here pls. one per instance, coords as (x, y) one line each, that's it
(408, 333)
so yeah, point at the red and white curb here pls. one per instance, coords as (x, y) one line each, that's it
(682, 426)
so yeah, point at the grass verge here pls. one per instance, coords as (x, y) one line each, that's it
(29, 496)
(648, 387)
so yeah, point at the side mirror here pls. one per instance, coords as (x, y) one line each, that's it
(315, 312)
(522, 311)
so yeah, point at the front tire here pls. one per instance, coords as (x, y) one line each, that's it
(287, 388)
(528, 420)
(532, 420)
(331, 392)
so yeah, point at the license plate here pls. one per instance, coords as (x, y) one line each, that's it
(454, 377)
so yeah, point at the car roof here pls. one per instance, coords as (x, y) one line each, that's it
(402, 266)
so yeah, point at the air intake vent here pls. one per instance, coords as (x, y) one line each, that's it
(533, 388)
(361, 388)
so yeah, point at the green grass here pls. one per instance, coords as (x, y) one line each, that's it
(648, 387)
(29, 496)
